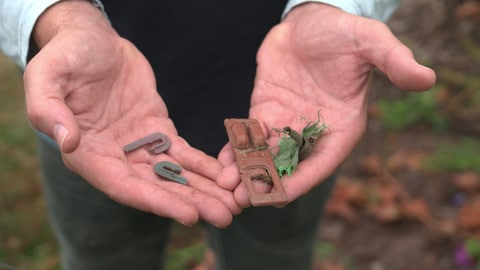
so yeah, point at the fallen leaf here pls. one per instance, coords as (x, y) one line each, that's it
(328, 265)
(350, 191)
(467, 181)
(386, 213)
(416, 209)
(446, 227)
(402, 160)
(469, 215)
(373, 111)
(341, 209)
(346, 196)
(468, 10)
(371, 164)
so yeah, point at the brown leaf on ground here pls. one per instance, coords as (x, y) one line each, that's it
(389, 194)
(371, 164)
(373, 110)
(416, 209)
(208, 262)
(350, 191)
(467, 181)
(328, 265)
(469, 214)
(446, 227)
(470, 9)
(385, 204)
(388, 190)
(346, 195)
(386, 212)
(341, 209)
(405, 160)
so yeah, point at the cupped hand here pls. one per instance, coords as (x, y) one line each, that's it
(94, 92)
(319, 61)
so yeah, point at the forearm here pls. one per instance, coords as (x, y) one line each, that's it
(375, 9)
(19, 18)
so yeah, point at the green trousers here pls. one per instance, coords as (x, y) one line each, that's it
(95, 232)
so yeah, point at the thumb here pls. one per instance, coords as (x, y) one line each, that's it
(403, 70)
(46, 108)
(396, 60)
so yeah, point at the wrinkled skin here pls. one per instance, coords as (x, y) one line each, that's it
(320, 59)
(94, 92)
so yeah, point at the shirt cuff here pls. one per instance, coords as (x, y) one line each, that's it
(376, 9)
(18, 19)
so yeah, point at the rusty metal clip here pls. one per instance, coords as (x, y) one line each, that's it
(255, 161)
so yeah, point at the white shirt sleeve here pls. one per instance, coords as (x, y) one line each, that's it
(375, 9)
(18, 18)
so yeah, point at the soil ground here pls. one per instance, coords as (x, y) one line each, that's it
(443, 35)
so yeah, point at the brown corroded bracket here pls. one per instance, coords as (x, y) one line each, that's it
(255, 161)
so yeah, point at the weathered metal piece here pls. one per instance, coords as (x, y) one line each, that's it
(255, 161)
(170, 171)
(159, 143)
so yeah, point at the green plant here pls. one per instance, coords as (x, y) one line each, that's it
(463, 155)
(185, 258)
(414, 109)
(324, 250)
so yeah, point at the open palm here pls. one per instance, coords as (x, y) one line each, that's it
(94, 92)
(319, 61)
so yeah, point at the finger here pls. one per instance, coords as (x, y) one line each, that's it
(393, 58)
(328, 155)
(226, 155)
(229, 177)
(403, 70)
(209, 208)
(124, 185)
(212, 190)
(46, 106)
(241, 196)
(213, 205)
(303, 180)
(120, 182)
(144, 167)
(150, 197)
(195, 179)
(199, 163)
(213, 211)
(193, 159)
(200, 192)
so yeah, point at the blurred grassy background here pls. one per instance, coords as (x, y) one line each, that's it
(25, 238)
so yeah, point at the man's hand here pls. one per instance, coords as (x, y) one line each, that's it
(94, 92)
(319, 60)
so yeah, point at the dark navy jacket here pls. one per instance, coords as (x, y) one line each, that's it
(203, 54)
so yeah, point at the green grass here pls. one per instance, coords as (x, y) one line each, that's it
(325, 251)
(26, 241)
(186, 257)
(413, 109)
(462, 155)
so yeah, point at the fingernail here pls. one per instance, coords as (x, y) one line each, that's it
(60, 133)
(185, 223)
